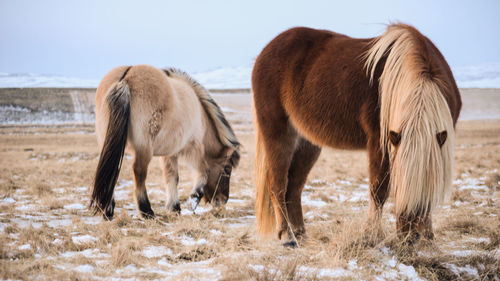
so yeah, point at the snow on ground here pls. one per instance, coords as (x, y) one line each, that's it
(30, 80)
(156, 251)
(486, 75)
(83, 239)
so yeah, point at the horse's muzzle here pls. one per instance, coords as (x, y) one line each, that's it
(220, 200)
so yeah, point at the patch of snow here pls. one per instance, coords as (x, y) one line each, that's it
(8, 200)
(321, 272)
(358, 197)
(466, 253)
(57, 241)
(89, 253)
(200, 209)
(353, 264)
(227, 109)
(86, 268)
(189, 241)
(470, 183)
(392, 262)
(81, 189)
(59, 223)
(409, 272)
(156, 251)
(458, 270)
(479, 240)
(364, 186)
(163, 262)
(236, 201)
(76, 206)
(30, 207)
(344, 182)
(25, 247)
(215, 232)
(389, 275)
(26, 223)
(83, 239)
(92, 220)
(306, 200)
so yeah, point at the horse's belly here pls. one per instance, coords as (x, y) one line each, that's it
(331, 131)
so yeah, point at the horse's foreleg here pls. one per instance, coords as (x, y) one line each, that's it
(379, 184)
(410, 228)
(303, 160)
(171, 177)
(140, 167)
(425, 226)
(195, 156)
(197, 191)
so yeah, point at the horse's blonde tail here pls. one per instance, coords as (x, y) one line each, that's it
(113, 149)
(264, 211)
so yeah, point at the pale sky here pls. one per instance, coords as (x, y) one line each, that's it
(86, 39)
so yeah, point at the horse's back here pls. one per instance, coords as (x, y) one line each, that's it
(165, 112)
(316, 79)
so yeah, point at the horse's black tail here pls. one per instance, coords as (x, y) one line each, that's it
(112, 152)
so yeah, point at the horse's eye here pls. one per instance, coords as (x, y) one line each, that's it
(441, 137)
(394, 138)
(227, 169)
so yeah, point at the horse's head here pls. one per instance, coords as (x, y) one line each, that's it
(421, 163)
(216, 191)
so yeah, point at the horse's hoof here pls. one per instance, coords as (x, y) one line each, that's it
(193, 202)
(110, 211)
(107, 217)
(411, 239)
(291, 244)
(177, 207)
(148, 215)
(174, 208)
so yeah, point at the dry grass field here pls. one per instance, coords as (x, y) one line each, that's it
(47, 233)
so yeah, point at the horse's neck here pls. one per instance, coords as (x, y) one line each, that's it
(211, 142)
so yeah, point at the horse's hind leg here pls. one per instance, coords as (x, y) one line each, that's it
(303, 160)
(140, 168)
(110, 210)
(171, 176)
(379, 184)
(280, 147)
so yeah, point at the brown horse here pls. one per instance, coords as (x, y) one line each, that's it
(165, 113)
(394, 95)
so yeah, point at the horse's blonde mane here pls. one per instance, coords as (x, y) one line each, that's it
(223, 129)
(412, 104)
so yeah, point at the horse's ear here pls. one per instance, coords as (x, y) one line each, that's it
(395, 138)
(441, 137)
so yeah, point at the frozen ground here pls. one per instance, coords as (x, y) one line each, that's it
(46, 231)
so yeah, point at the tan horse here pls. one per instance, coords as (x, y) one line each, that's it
(393, 95)
(166, 113)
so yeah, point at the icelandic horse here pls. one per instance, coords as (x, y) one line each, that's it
(393, 95)
(155, 112)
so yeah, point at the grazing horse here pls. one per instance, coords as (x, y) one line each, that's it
(154, 112)
(393, 95)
